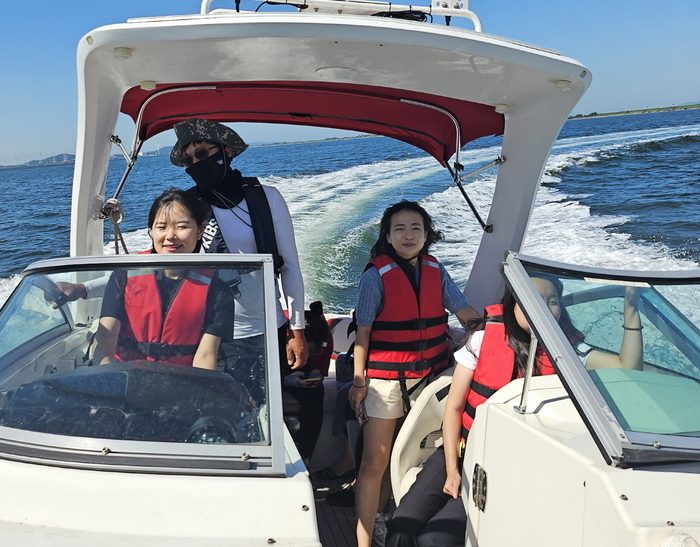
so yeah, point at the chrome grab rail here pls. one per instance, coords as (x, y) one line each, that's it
(532, 354)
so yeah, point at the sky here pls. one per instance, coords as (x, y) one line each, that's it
(642, 54)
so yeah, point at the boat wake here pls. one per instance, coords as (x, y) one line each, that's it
(336, 212)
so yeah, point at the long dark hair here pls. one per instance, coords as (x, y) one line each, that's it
(192, 204)
(518, 339)
(382, 247)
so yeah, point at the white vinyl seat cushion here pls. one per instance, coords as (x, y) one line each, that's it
(424, 418)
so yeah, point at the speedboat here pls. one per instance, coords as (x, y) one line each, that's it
(155, 454)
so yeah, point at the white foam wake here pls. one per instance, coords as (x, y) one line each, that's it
(335, 214)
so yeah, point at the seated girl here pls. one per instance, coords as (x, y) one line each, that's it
(174, 316)
(432, 513)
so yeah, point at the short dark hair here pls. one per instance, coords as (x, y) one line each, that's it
(382, 246)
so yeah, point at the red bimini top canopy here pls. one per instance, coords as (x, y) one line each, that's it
(430, 122)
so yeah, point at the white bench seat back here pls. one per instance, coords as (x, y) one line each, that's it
(424, 418)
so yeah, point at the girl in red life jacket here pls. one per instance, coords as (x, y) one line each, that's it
(171, 316)
(401, 338)
(432, 513)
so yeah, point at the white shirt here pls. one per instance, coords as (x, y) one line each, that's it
(468, 355)
(235, 226)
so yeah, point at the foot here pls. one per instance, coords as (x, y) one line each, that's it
(327, 474)
(345, 497)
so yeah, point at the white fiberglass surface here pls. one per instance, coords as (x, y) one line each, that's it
(131, 364)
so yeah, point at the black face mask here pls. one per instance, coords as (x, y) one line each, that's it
(210, 172)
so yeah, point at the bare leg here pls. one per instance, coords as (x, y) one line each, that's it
(378, 436)
(385, 490)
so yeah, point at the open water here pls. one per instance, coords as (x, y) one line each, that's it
(617, 192)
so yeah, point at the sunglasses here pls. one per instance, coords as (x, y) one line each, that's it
(199, 155)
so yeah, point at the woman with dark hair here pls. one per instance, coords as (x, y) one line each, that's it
(401, 338)
(174, 316)
(384, 247)
(496, 352)
(192, 215)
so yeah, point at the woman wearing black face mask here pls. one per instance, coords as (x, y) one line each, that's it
(210, 171)
(247, 217)
(206, 149)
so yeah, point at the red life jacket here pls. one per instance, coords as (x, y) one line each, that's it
(494, 368)
(147, 335)
(409, 336)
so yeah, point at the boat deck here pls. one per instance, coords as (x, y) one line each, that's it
(336, 525)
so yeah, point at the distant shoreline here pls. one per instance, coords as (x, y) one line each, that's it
(633, 112)
(327, 139)
(68, 159)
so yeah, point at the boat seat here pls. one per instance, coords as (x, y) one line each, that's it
(343, 332)
(410, 449)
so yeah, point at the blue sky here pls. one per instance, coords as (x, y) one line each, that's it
(641, 53)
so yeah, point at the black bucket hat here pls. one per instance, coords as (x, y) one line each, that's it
(199, 129)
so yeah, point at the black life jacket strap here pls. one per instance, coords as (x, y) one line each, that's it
(405, 396)
(414, 345)
(158, 351)
(261, 220)
(411, 324)
(481, 389)
(470, 410)
(415, 366)
(406, 392)
(212, 239)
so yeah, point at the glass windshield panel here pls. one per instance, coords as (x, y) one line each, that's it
(151, 355)
(640, 344)
(27, 316)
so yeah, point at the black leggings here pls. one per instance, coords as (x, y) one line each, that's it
(427, 517)
(306, 404)
(244, 359)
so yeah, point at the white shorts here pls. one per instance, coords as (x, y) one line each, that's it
(384, 397)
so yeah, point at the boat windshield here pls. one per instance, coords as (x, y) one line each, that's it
(149, 362)
(628, 349)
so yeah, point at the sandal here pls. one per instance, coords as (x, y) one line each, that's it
(345, 497)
